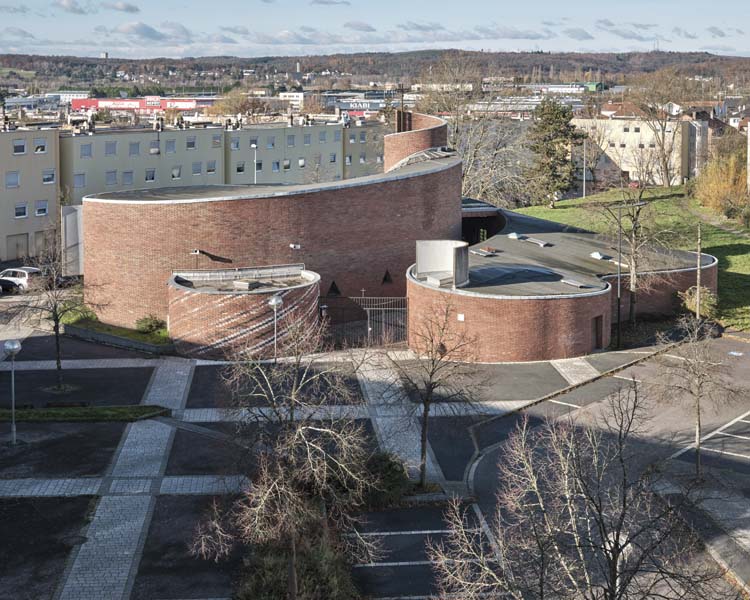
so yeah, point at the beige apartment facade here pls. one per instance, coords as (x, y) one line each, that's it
(363, 149)
(29, 191)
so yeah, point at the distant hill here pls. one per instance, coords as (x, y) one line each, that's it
(382, 65)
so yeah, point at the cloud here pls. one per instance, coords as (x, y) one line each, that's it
(605, 23)
(17, 32)
(359, 26)
(237, 30)
(503, 32)
(414, 26)
(684, 33)
(125, 7)
(578, 33)
(13, 10)
(643, 25)
(141, 30)
(177, 32)
(72, 6)
(330, 2)
(218, 38)
(718, 48)
(716, 32)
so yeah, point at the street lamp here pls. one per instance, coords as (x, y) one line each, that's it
(12, 347)
(619, 266)
(255, 163)
(275, 302)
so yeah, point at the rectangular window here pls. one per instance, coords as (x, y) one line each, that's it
(111, 177)
(362, 137)
(290, 141)
(301, 163)
(235, 143)
(308, 139)
(322, 137)
(240, 168)
(19, 146)
(176, 172)
(637, 129)
(170, 146)
(622, 145)
(641, 146)
(348, 159)
(150, 175)
(259, 165)
(110, 148)
(287, 164)
(197, 168)
(337, 135)
(127, 178)
(190, 144)
(379, 158)
(612, 144)
(333, 157)
(86, 151)
(352, 138)
(275, 166)
(626, 129)
(652, 145)
(40, 146)
(48, 176)
(21, 210)
(216, 140)
(40, 208)
(153, 147)
(79, 181)
(253, 142)
(12, 179)
(134, 149)
(362, 158)
(270, 142)
(211, 167)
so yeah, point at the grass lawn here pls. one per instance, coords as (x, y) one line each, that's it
(94, 413)
(158, 338)
(672, 211)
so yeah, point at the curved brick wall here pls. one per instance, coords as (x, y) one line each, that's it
(426, 132)
(350, 232)
(217, 324)
(516, 329)
(529, 329)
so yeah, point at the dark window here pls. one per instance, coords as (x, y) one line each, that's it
(334, 289)
(387, 277)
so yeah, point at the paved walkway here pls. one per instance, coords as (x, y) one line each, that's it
(575, 370)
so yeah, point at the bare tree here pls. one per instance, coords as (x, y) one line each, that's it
(442, 370)
(576, 519)
(696, 375)
(593, 155)
(51, 297)
(307, 467)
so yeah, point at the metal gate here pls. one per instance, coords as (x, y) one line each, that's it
(372, 321)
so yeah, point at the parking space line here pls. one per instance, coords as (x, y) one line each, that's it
(396, 533)
(746, 457)
(734, 435)
(407, 563)
(561, 403)
(742, 418)
(631, 379)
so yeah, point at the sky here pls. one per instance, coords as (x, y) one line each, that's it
(177, 28)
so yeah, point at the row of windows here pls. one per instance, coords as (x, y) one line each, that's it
(39, 145)
(291, 140)
(624, 145)
(277, 165)
(21, 209)
(13, 178)
(128, 177)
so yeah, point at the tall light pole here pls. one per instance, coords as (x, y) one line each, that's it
(255, 163)
(584, 167)
(12, 347)
(619, 276)
(275, 302)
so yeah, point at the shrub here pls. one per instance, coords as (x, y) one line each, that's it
(391, 480)
(322, 573)
(709, 301)
(150, 324)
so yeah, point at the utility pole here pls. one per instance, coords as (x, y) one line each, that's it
(584, 167)
(748, 160)
(698, 277)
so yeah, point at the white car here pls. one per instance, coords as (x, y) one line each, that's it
(22, 276)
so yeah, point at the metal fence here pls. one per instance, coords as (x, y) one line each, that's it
(371, 321)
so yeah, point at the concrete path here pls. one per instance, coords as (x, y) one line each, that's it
(575, 370)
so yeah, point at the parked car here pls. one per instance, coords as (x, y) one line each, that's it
(22, 276)
(9, 287)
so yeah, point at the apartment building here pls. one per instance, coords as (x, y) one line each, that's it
(363, 149)
(111, 160)
(29, 191)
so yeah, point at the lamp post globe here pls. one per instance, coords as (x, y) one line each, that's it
(12, 347)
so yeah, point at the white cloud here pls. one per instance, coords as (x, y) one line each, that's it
(125, 7)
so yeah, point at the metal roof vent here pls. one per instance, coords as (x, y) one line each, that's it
(574, 283)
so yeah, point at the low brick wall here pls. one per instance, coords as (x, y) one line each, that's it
(113, 340)
(219, 324)
(426, 132)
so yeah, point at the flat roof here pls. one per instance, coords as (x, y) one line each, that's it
(538, 258)
(216, 193)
